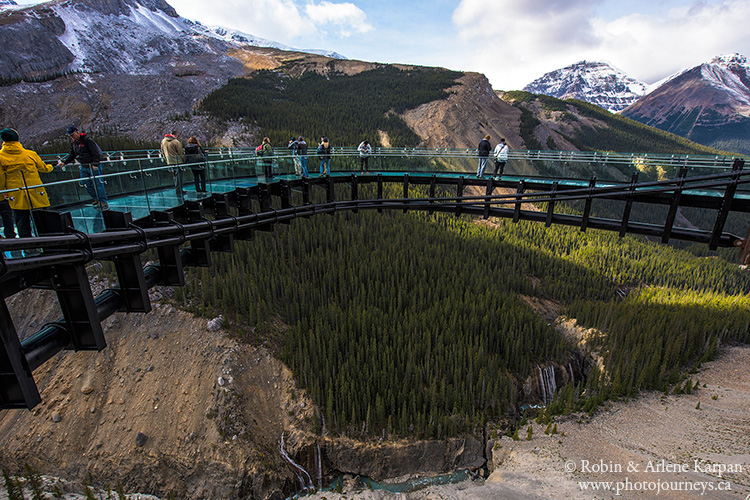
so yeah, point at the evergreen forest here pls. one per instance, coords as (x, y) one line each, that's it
(345, 108)
(419, 325)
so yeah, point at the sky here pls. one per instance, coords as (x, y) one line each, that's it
(513, 42)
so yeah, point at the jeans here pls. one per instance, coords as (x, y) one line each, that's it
(482, 166)
(92, 182)
(303, 164)
(363, 163)
(199, 176)
(325, 166)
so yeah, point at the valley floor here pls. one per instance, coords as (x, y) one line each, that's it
(647, 446)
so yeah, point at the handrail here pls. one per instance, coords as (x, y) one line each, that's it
(605, 157)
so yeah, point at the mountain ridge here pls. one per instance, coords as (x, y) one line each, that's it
(708, 103)
(111, 36)
(595, 82)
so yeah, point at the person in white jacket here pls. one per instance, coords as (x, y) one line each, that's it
(501, 156)
(364, 155)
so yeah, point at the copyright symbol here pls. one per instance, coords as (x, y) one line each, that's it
(570, 466)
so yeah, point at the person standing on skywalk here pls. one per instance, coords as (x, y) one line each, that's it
(89, 155)
(364, 156)
(19, 169)
(173, 153)
(483, 151)
(501, 157)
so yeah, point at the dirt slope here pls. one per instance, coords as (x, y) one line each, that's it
(212, 409)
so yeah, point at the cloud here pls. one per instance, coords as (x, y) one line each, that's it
(527, 38)
(279, 20)
(346, 17)
(653, 47)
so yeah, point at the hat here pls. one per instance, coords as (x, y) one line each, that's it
(71, 129)
(8, 134)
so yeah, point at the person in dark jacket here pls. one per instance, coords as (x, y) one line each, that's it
(483, 151)
(324, 154)
(196, 159)
(302, 152)
(294, 147)
(267, 150)
(89, 155)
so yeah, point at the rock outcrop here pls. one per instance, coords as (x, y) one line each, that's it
(388, 460)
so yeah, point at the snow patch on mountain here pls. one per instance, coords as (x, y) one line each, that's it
(239, 37)
(141, 34)
(731, 73)
(594, 82)
(7, 3)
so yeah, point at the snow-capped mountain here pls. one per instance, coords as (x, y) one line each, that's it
(109, 36)
(594, 82)
(7, 3)
(709, 104)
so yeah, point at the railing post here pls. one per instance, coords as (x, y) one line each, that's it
(17, 386)
(199, 248)
(129, 268)
(244, 207)
(551, 205)
(488, 194)
(355, 192)
(628, 204)
(433, 181)
(71, 283)
(380, 193)
(169, 255)
(587, 205)
(519, 197)
(459, 194)
(726, 204)
(406, 191)
(220, 204)
(674, 206)
(264, 198)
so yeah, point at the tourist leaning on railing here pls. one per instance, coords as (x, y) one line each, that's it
(19, 169)
(89, 155)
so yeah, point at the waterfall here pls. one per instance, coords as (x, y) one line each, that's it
(542, 386)
(319, 466)
(572, 375)
(549, 372)
(547, 383)
(301, 473)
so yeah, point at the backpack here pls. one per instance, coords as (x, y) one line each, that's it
(259, 150)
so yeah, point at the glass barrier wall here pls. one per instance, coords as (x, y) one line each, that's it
(141, 182)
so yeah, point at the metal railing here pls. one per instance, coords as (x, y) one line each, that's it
(143, 182)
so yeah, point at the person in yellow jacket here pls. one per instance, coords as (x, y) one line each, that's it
(19, 170)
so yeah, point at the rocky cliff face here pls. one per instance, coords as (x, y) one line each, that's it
(472, 111)
(31, 47)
